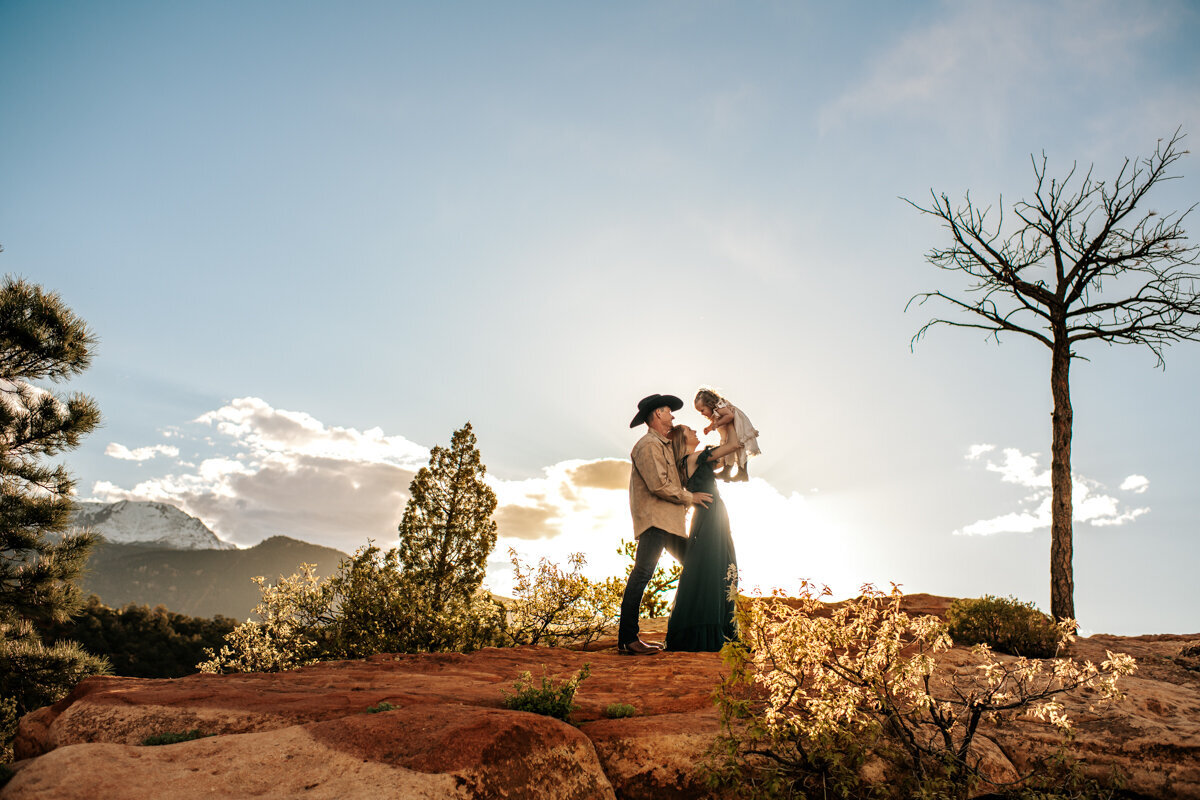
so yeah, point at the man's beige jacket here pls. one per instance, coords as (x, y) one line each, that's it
(656, 497)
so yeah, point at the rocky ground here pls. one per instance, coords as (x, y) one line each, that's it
(308, 733)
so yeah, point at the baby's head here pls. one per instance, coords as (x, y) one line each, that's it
(707, 400)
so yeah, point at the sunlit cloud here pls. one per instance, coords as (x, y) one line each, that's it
(264, 471)
(261, 471)
(1090, 501)
(262, 429)
(140, 454)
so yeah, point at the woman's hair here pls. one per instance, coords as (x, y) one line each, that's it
(709, 396)
(679, 451)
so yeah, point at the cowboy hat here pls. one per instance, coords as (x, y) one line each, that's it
(647, 405)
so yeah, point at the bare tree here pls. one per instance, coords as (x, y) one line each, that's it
(1084, 260)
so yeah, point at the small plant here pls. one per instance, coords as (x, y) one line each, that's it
(619, 710)
(383, 706)
(548, 700)
(173, 737)
(1004, 624)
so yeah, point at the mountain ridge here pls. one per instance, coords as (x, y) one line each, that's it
(199, 583)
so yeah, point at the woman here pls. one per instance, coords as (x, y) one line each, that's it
(702, 617)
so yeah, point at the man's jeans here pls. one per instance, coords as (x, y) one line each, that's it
(649, 549)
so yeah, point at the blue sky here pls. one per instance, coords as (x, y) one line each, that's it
(314, 239)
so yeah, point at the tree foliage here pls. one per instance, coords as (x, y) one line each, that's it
(139, 641)
(447, 531)
(1084, 260)
(41, 339)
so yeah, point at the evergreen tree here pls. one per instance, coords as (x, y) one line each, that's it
(447, 531)
(40, 340)
(140, 641)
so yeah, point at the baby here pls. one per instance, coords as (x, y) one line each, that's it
(733, 425)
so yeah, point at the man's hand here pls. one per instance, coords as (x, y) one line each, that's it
(701, 499)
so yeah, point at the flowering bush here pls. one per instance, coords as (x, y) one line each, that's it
(555, 607)
(814, 694)
(291, 617)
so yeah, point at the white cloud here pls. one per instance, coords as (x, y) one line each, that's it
(1019, 469)
(1089, 501)
(140, 454)
(977, 450)
(1136, 484)
(991, 56)
(262, 430)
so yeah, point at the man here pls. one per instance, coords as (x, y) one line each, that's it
(659, 505)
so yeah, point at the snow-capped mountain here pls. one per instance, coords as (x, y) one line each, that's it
(142, 522)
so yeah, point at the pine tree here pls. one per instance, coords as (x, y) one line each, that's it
(447, 531)
(40, 340)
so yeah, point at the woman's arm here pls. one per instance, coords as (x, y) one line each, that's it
(717, 453)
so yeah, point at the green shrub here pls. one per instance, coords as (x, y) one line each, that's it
(548, 699)
(1004, 624)
(173, 737)
(383, 706)
(619, 710)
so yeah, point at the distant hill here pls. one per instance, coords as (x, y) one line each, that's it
(200, 583)
(159, 524)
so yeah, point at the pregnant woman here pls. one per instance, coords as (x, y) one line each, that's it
(702, 617)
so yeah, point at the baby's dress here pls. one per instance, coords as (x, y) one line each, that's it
(743, 432)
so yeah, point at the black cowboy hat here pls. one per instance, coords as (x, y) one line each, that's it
(647, 405)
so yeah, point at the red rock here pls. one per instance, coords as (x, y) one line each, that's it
(307, 734)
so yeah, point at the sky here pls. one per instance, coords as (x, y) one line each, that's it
(314, 239)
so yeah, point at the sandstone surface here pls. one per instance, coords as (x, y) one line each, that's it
(308, 733)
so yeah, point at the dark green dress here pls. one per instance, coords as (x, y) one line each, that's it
(702, 616)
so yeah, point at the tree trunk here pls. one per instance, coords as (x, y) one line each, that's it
(1062, 579)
